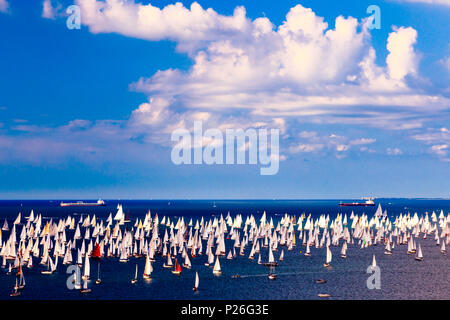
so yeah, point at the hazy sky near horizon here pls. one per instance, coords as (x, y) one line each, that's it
(89, 112)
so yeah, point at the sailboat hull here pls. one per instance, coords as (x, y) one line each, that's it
(271, 264)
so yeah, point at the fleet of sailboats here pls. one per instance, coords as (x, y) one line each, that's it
(77, 240)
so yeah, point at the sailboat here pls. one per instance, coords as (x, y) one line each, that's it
(15, 293)
(134, 280)
(272, 275)
(51, 267)
(177, 269)
(87, 268)
(85, 287)
(96, 255)
(216, 270)
(196, 282)
(443, 247)
(374, 263)
(281, 255)
(187, 262)
(329, 257)
(419, 256)
(388, 250)
(19, 274)
(344, 250)
(98, 281)
(148, 268)
(169, 263)
(308, 251)
(271, 259)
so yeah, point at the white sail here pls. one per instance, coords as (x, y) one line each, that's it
(216, 268)
(148, 267)
(419, 252)
(17, 221)
(196, 280)
(374, 262)
(271, 257)
(87, 267)
(329, 255)
(119, 215)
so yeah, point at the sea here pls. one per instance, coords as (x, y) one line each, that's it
(400, 275)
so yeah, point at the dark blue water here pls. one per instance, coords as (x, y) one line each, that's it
(401, 276)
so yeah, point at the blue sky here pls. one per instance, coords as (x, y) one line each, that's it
(89, 113)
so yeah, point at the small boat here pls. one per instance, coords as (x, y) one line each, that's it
(328, 259)
(19, 274)
(388, 250)
(9, 269)
(134, 280)
(169, 263)
(177, 269)
(51, 267)
(344, 250)
(271, 262)
(148, 268)
(98, 281)
(308, 251)
(216, 270)
(321, 281)
(96, 255)
(235, 276)
(85, 287)
(419, 256)
(15, 293)
(87, 268)
(323, 295)
(195, 288)
(272, 275)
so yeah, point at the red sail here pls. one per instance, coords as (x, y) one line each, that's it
(177, 266)
(96, 252)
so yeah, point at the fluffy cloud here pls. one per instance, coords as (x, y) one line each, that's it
(4, 6)
(50, 10)
(394, 151)
(438, 141)
(251, 73)
(440, 149)
(401, 59)
(302, 68)
(313, 142)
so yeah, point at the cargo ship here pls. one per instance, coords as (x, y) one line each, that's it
(367, 203)
(83, 204)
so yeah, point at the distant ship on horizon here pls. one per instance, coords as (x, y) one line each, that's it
(83, 204)
(368, 203)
